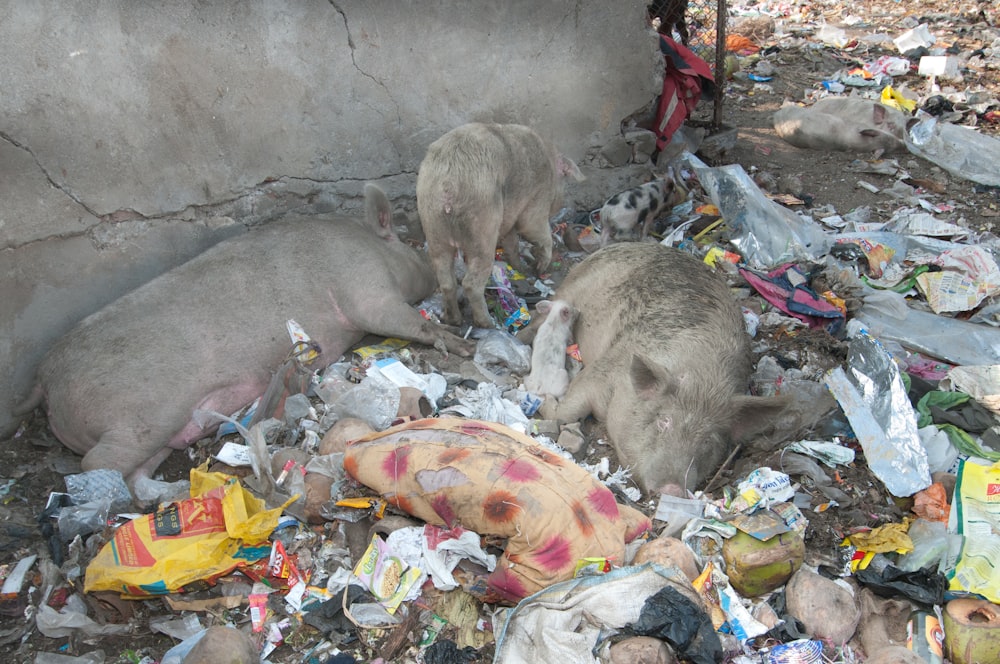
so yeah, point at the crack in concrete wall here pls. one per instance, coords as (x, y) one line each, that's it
(45, 172)
(353, 48)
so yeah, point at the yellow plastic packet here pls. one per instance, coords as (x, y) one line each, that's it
(897, 101)
(387, 346)
(884, 539)
(221, 527)
(975, 515)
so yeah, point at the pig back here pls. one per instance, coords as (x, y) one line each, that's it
(483, 166)
(661, 302)
(208, 333)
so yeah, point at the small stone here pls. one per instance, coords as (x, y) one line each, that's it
(617, 151)
(570, 438)
(668, 551)
(642, 650)
(827, 610)
(223, 645)
(349, 428)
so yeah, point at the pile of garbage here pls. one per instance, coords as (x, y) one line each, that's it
(408, 508)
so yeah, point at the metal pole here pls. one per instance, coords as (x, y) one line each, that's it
(720, 63)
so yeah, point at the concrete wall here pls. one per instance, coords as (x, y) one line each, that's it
(135, 134)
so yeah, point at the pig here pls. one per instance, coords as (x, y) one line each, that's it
(629, 215)
(481, 185)
(843, 124)
(548, 375)
(122, 385)
(666, 362)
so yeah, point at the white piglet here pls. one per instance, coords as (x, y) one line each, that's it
(548, 374)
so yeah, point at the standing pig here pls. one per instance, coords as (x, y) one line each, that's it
(844, 124)
(122, 385)
(666, 362)
(548, 375)
(629, 215)
(481, 185)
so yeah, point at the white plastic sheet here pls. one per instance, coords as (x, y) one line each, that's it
(566, 621)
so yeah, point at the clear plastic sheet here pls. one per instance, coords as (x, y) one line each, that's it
(766, 233)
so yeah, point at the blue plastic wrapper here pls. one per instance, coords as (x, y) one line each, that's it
(802, 651)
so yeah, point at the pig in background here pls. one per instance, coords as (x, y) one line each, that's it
(548, 375)
(666, 362)
(843, 124)
(121, 387)
(628, 216)
(481, 185)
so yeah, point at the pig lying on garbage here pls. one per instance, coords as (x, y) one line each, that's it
(844, 124)
(481, 185)
(122, 385)
(666, 362)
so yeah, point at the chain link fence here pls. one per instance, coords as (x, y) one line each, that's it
(701, 26)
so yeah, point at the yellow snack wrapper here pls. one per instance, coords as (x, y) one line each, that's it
(193, 541)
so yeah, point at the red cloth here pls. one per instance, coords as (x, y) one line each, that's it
(685, 78)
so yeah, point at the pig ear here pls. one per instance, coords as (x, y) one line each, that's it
(753, 415)
(567, 313)
(878, 113)
(566, 166)
(649, 379)
(543, 307)
(378, 212)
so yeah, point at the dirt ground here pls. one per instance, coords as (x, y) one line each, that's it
(34, 463)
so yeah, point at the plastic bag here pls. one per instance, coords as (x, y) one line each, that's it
(961, 151)
(221, 527)
(923, 586)
(975, 515)
(674, 618)
(930, 545)
(950, 339)
(83, 519)
(765, 233)
(375, 400)
(100, 483)
(498, 348)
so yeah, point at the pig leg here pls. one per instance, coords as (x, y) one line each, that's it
(511, 245)
(119, 450)
(588, 394)
(444, 269)
(534, 227)
(403, 321)
(477, 274)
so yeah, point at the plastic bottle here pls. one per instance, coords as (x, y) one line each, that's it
(925, 637)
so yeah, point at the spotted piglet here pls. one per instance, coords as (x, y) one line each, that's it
(548, 374)
(628, 216)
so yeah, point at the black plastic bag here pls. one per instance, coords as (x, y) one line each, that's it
(672, 617)
(924, 586)
(446, 652)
